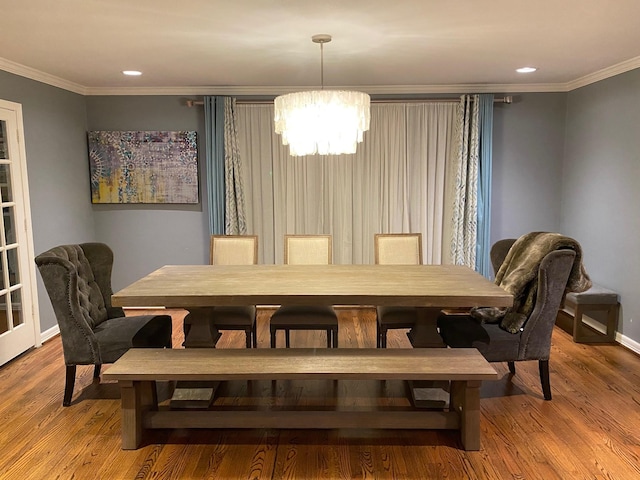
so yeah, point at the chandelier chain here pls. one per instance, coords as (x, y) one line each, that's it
(321, 65)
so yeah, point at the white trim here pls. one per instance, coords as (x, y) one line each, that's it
(628, 343)
(620, 338)
(27, 243)
(33, 74)
(605, 73)
(370, 89)
(49, 334)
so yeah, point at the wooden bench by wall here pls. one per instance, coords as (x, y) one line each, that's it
(139, 369)
(597, 298)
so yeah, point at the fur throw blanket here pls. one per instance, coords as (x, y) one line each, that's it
(518, 275)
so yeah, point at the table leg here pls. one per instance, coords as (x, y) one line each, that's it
(201, 332)
(425, 333)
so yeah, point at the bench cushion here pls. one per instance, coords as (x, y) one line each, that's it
(595, 295)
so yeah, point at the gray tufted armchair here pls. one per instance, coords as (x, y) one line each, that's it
(78, 281)
(533, 341)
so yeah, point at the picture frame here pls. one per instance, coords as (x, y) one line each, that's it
(143, 167)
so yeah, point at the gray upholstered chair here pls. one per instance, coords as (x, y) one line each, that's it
(306, 250)
(235, 250)
(93, 332)
(396, 249)
(533, 341)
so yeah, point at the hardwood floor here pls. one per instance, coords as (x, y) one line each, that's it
(590, 430)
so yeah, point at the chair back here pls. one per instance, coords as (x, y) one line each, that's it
(398, 248)
(308, 250)
(233, 250)
(499, 252)
(78, 281)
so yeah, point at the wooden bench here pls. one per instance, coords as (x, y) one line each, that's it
(597, 298)
(139, 369)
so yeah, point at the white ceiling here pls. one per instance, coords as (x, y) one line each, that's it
(264, 46)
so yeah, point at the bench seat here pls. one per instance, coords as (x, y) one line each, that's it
(597, 298)
(139, 369)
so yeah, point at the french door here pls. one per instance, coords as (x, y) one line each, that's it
(19, 325)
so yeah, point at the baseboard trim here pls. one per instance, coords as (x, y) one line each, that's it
(49, 334)
(628, 343)
(623, 340)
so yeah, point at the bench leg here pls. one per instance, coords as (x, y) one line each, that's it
(465, 400)
(137, 397)
(612, 322)
(578, 336)
(579, 333)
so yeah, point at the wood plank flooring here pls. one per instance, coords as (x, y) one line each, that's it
(590, 430)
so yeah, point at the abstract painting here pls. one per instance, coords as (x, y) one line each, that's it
(143, 167)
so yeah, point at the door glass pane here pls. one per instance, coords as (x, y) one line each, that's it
(3, 265)
(3, 140)
(12, 260)
(4, 318)
(16, 307)
(8, 217)
(5, 183)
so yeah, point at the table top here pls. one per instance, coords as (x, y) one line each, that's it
(183, 286)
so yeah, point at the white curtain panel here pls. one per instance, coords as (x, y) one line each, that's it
(395, 183)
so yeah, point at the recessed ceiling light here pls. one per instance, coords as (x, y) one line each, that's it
(133, 73)
(526, 69)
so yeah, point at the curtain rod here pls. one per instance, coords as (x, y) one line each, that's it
(506, 99)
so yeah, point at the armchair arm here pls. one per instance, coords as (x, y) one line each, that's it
(535, 343)
(61, 281)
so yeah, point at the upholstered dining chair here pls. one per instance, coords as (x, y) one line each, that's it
(233, 250)
(306, 250)
(533, 340)
(78, 281)
(396, 249)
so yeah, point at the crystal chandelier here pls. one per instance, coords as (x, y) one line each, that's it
(328, 122)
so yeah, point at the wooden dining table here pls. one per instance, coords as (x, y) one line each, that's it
(198, 288)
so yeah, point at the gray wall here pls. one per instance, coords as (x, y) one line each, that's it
(600, 186)
(57, 167)
(145, 237)
(528, 147)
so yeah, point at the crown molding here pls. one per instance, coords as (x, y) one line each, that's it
(33, 74)
(370, 89)
(42, 77)
(605, 73)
